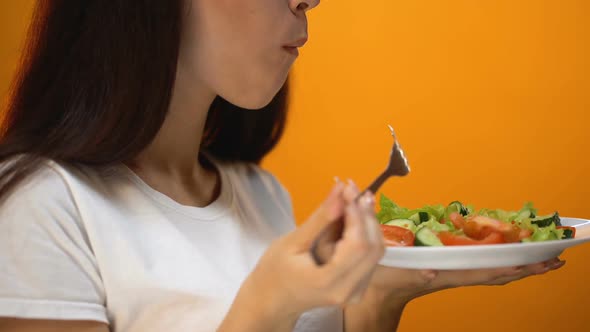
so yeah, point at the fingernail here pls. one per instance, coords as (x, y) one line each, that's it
(352, 184)
(368, 199)
(557, 265)
(429, 275)
(337, 180)
(336, 189)
(551, 263)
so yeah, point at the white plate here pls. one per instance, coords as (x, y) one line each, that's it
(484, 256)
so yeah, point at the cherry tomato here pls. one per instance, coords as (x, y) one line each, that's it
(397, 236)
(450, 239)
(457, 220)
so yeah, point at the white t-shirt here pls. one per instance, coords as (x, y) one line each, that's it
(75, 245)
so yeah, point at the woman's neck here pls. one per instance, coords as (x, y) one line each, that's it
(170, 162)
(176, 145)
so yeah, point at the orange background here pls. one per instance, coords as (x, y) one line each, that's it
(490, 100)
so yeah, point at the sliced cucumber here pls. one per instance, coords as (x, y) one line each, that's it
(546, 235)
(426, 237)
(404, 223)
(423, 216)
(459, 207)
(420, 217)
(544, 221)
(568, 233)
(415, 218)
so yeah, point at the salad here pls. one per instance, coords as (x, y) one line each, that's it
(458, 224)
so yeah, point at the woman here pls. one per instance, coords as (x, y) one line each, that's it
(131, 199)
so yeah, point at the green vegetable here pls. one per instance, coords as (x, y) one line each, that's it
(544, 221)
(568, 234)
(457, 206)
(426, 237)
(405, 223)
(434, 225)
(423, 216)
(547, 233)
(425, 222)
(390, 210)
(525, 213)
(415, 218)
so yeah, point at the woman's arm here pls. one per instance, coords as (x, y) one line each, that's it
(391, 289)
(251, 312)
(375, 313)
(287, 282)
(39, 325)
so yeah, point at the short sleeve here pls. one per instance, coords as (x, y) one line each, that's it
(47, 267)
(278, 190)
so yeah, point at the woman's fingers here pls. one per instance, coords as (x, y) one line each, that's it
(374, 236)
(529, 270)
(452, 279)
(320, 221)
(352, 258)
(367, 203)
(350, 192)
(359, 251)
(367, 208)
(355, 243)
(500, 276)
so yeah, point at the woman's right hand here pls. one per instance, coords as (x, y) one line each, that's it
(287, 282)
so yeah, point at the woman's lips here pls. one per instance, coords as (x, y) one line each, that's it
(293, 47)
(292, 50)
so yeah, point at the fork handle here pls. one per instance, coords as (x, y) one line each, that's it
(333, 232)
(321, 251)
(379, 181)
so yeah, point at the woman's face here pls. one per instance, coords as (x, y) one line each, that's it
(242, 50)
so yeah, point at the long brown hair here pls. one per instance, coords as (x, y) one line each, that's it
(95, 85)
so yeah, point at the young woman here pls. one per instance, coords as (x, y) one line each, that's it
(131, 199)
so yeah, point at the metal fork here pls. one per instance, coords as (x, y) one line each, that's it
(398, 166)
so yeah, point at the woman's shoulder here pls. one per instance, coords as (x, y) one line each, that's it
(47, 187)
(41, 208)
(46, 177)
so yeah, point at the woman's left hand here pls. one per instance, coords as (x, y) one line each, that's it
(405, 284)
(390, 289)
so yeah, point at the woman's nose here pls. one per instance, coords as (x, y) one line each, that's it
(298, 6)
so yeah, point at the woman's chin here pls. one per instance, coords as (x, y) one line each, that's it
(253, 101)
(255, 104)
